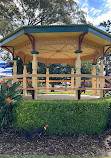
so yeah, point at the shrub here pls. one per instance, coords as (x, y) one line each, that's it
(8, 98)
(63, 117)
(109, 110)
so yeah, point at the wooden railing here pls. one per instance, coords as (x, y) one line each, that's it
(20, 78)
(57, 75)
(97, 78)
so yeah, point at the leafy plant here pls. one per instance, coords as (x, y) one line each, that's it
(63, 117)
(8, 99)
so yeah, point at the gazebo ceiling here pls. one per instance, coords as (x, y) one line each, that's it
(57, 44)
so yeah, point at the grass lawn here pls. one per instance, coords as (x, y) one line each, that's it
(4, 156)
(87, 93)
(37, 157)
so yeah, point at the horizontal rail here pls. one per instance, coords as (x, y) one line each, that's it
(57, 75)
(30, 80)
(63, 88)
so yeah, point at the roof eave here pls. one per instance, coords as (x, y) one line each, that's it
(54, 29)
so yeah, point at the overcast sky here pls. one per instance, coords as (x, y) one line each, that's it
(97, 10)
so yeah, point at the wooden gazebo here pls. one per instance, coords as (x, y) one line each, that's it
(68, 44)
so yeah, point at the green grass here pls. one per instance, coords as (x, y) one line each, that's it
(37, 157)
(87, 93)
(60, 92)
(5, 156)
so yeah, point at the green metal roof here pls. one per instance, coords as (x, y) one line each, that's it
(54, 29)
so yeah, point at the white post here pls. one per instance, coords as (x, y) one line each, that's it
(102, 81)
(15, 70)
(34, 71)
(78, 71)
(98, 86)
(72, 80)
(25, 80)
(93, 79)
(47, 81)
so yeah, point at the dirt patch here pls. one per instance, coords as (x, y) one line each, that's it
(12, 143)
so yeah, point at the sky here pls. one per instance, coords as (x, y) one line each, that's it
(97, 10)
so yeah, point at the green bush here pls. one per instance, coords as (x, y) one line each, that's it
(63, 117)
(109, 110)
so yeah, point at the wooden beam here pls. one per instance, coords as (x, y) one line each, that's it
(57, 75)
(63, 88)
(29, 80)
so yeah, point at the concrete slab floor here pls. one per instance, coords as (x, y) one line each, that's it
(61, 97)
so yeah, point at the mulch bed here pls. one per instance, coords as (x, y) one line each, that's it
(12, 143)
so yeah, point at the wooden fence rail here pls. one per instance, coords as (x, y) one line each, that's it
(57, 75)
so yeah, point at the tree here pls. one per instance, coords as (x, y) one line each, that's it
(18, 13)
(86, 67)
(107, 25)
(19, 66)
(107, 58)
(45, 12)
(107, 63)
(9, 15)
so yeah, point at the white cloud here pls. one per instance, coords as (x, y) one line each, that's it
(92, 9)
(95, 16)
(108, 4)
(85, 6)
(97, 19)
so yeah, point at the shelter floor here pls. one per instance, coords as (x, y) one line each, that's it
(61, 97)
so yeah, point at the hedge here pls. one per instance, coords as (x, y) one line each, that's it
(63, 117)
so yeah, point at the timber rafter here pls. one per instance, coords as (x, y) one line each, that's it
(81, 37)
(9, 49)
(32, 40)
(106, 50)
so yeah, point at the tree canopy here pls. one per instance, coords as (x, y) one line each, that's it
(8, 17)
(107, 25)
(50, 11)
(16, 13)
(107, 58)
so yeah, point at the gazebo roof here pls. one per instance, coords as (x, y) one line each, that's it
(57, 43)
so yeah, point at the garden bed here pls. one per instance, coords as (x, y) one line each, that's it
(12, 143)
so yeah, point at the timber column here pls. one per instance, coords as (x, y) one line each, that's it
(15, 69)
(78, 71)
(25, 80)
(102, 81)
(34, 71)
(47, 80)
(72, 80)
(93, 79)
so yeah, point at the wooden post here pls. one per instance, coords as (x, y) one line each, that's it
(98, 86)
(94, 79)
(34, 71)
(25, 80)
(78, 71)
(15, 69)
(72, 80)
(102, 81)
(47, 80)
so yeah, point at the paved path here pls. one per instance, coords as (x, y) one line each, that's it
(62, 97)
